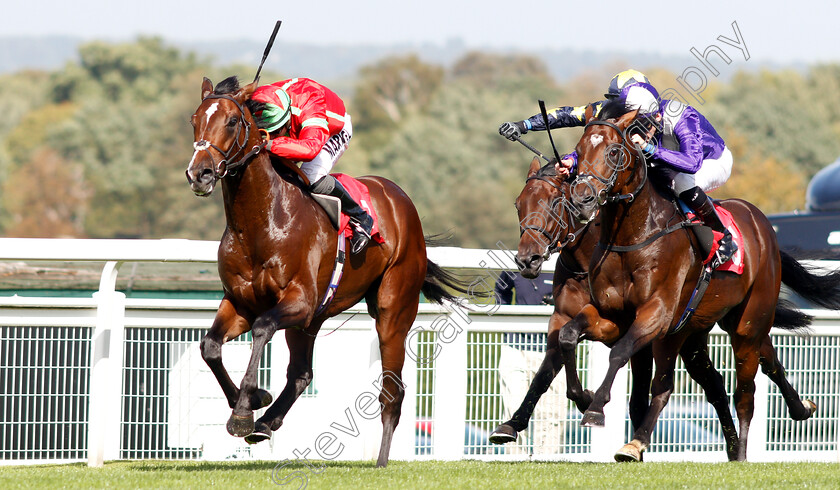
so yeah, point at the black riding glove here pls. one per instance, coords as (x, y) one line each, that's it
(512, 130)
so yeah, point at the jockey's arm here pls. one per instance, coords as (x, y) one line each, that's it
(689, 158)
(313, 135)
(562, 117)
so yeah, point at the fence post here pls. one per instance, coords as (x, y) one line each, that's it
(104, 408)
(607, 440)
(450, 398)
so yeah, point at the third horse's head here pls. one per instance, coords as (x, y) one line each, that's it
(546, 217)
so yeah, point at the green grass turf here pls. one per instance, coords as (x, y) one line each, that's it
(426, 474)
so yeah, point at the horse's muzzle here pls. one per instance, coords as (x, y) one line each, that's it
(202, 181)
(529, 266)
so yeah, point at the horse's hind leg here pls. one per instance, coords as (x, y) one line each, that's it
(551, 365)
(770, 365)
(746, 355)
(395, 309)
(298, 377)
(227, 326)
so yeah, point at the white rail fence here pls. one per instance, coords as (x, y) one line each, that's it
(109, 377)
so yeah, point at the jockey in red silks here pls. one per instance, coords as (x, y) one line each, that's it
(307, 123)
(685, 148)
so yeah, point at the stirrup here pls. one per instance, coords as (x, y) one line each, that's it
(359, 240)
(361, 234)
(726, 250)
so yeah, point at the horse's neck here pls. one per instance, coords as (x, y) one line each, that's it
(627, 222)
(259, 194)
(584, 245)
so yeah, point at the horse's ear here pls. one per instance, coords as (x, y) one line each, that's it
(535, 167)
(246, 92)
(625, 120)
(206, 88)
(589, 114)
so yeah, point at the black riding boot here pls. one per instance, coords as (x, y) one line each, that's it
(703, 207)
(361, 221)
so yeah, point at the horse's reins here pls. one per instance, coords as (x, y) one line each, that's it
(224, 167)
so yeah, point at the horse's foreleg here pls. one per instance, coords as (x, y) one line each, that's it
(641, 369)
(286, 314)
(695, 355)
(298, 377)
(665, 354)
(227, 326)
(568, 339)
(650, 321)
(551, 365)
(241, 421)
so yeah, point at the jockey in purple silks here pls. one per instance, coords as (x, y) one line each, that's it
(682, 145)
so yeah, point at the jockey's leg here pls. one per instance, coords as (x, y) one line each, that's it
(361, 220)
(703, 207)
(692, 188)
(318, 172)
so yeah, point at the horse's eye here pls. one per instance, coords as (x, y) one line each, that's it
(233, 121)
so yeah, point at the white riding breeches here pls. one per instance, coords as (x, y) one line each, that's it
(325, 160)
(712, 174)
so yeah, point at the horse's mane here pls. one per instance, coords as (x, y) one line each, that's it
(547, 170)
(230, 85)
(614, 109)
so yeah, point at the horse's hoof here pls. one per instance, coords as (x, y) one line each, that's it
(240, 426)
(630, 453)
(503, 435)
(261, 433)
(811, 406)
(592, 419)
(260, 398)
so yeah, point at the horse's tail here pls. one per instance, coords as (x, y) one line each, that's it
(789, 317)
(821, 289)
(440, 284)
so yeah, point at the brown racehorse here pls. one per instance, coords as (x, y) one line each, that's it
(641, 279)
(548, 221)
(276, 257)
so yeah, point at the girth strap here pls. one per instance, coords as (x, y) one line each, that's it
(694, 301)
(335, 278)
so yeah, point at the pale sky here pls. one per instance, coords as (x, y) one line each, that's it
(773, 30)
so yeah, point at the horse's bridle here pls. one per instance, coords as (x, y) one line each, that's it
(603, 196)
(553, 243)
(223, 168)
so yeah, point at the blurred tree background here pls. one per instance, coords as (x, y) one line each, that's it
(98, 149)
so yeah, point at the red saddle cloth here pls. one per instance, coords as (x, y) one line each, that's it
(361, 195)
(736, 263)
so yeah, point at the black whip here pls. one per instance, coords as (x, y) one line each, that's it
(547, 129)
(268, 48)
